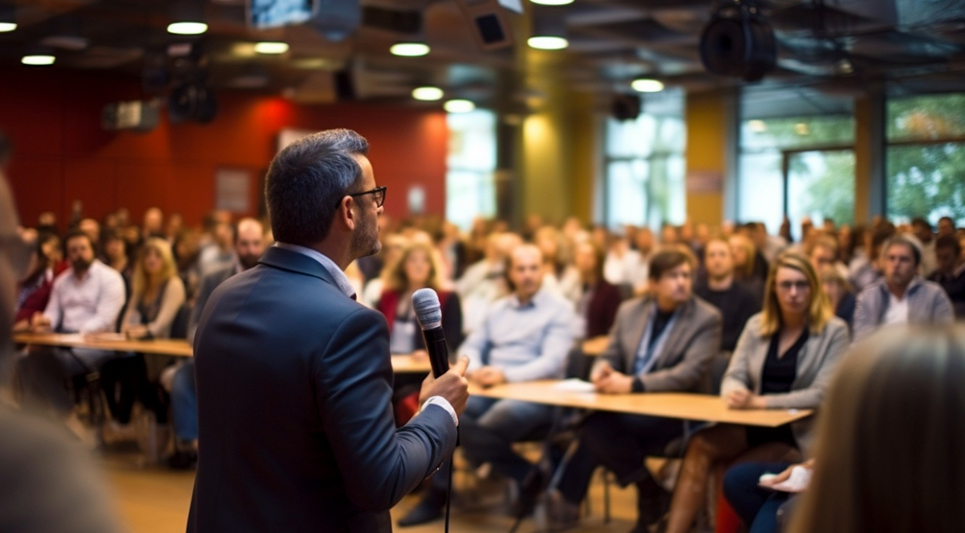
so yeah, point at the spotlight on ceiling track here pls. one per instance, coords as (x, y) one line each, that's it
(7, 26)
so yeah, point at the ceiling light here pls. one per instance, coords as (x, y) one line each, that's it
(187, 28)
(644, 85)
(552, 2)
(7, 26)
(271, 47)
(757, 126)
(427, 94)
(547, 42)
(409, 49)
(459, 106)
(38, 60)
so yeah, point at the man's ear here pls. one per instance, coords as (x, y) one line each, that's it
(345, 214)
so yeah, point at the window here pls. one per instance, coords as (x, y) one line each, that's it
(925, 162)
(470, 179)
(796, 159)
(644, 179)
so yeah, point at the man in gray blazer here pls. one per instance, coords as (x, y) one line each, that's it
(662, 342)
(901, 296)
(294, 376)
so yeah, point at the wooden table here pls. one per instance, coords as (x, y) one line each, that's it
(595, 346)
(401, 364)
(685, 406)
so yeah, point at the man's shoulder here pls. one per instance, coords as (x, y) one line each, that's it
(704, 311)
(105, 272)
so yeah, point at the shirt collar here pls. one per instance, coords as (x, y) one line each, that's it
(341, 280)
(535, 301)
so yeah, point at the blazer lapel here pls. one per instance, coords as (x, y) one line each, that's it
(676, 334)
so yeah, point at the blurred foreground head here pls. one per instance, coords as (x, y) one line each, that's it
(890, 438)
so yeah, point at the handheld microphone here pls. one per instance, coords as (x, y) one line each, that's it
(428, 312)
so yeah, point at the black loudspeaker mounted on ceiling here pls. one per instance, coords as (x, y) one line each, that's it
(192, 101)
(738, 42)
(625, 107)
(490, 21)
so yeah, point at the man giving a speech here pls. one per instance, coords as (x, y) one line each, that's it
(294, 376)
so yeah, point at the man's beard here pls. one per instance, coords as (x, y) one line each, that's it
(80, 265)
(365, 241)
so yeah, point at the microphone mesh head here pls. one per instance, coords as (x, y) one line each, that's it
(425, 303)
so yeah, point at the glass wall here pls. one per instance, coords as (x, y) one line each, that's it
(796, 160)
(925, 161)
(645, 166)
(470, 178)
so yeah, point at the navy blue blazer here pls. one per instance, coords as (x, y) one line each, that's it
(294, 408)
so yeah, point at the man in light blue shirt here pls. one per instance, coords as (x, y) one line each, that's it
(524, 337)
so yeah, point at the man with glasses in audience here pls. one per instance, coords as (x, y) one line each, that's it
(524, 337)
(294, 377)
(901, 296)
(661, 342)
(249, 247)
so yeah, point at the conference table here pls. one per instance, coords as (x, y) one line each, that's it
(401, 364)
(685, 406)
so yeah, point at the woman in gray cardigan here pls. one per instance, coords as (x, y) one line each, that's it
(784, 359)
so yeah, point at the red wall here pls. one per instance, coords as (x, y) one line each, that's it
(61, 154)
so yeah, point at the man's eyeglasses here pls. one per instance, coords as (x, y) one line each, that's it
(377, 193)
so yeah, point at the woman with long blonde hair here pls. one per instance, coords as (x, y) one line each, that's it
(157, 294)
(784, 359)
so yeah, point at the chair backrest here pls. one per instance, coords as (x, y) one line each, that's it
(179, 327)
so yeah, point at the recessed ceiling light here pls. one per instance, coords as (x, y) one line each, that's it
(7, 26)
(552, 2)
(409, 49)
(644, 85)
(459, 106)
(547, 42)
(271, 47)
(187, 28)
(427, 94)
(38, 60)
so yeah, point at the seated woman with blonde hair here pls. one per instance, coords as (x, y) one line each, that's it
(784, 359)
(157, 294)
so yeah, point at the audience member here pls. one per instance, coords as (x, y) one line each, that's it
(484, 281)
(784, 360)
(92, 228)
(922, 231)
(393, 245)
(87, 298)
(523, 337)
(863, 273)
(950, 271)
(157, 295)
(174, 226)
(153, 224)
(599, 300)
(661, 342)
(559, 277)
(622, 264)
(219, 254)
(718, 287)
(187, 250)
(33, 292)
(888, 451)
(248, 248)
(748, 266)
(822, 250)
(839, 294)
(901, 296)
(946, 226)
